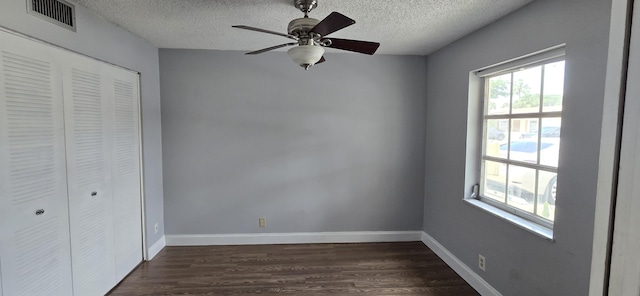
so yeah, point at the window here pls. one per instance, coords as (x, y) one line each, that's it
(522, 116)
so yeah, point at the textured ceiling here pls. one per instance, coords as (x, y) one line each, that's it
(403, 27)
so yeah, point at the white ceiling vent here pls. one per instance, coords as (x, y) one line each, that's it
(59, 12)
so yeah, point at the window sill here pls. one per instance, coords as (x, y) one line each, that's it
(535, 228)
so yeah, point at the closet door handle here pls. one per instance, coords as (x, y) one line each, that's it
(39, 212)
(94, 193)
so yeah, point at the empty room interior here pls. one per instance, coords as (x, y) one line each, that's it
(329, 147)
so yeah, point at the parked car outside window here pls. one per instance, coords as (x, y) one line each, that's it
(546, 132)
(494, 134)
(521, 180)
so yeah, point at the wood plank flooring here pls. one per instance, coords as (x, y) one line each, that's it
(406, 268)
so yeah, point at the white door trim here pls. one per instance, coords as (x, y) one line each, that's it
(609, 143)
(624, 274)
(145, 243)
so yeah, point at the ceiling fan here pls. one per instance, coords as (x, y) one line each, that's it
(310, 36)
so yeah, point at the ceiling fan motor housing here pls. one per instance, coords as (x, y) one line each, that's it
(301, 27)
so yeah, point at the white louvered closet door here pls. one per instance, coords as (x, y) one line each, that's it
(34, 226)
(88, 139)
(127, 209)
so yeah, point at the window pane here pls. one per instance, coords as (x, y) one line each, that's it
(495, 136)
(547, 195)
(499, 94)
(553, 87)
(524, 147)
(526, 91)
(521, 187)
(551, 127)
(495, 181)
(524, 128)
(550, 139)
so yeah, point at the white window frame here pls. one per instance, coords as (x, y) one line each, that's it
(476, 136)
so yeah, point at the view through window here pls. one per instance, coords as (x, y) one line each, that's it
(522, 123)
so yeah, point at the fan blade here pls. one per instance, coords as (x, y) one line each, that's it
(334, 22)
(266, 31)
(365, 47)
(322, 60)
(272, 48)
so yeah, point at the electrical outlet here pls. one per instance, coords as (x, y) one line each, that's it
(481, 262)
(155, 228)
(262, 222)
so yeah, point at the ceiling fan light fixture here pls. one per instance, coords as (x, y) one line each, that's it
(306, 55)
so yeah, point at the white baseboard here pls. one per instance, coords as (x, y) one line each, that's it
(157, 247)
(476, 281)
(292, 238)
(329, 237)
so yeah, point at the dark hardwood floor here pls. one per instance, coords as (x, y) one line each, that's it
(407, 268)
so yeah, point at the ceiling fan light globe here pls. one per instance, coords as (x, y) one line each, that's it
(306, 54)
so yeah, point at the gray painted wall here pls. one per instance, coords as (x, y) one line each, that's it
(103, 40)
(338, 148)
(519, 262)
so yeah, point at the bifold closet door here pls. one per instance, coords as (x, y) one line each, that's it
(34, 225)
(88, 138)
(70, 188)
(125, 147)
